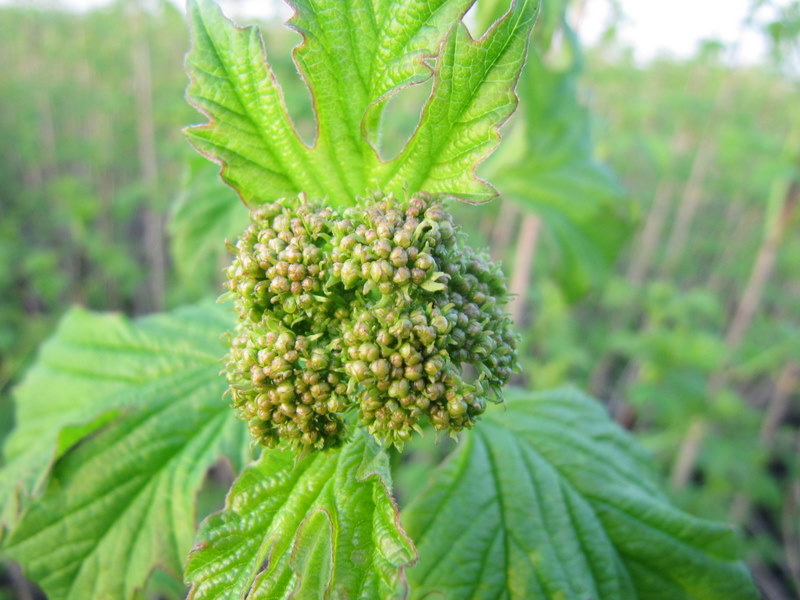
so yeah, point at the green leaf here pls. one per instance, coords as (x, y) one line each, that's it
(87, 373)
(249, 131)
(204, 215)
(550, 499)
(133, 413)
(324, 526)
(473, 94)
(354, 56)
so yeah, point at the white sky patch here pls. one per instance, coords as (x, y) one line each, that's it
(249, 8)
(675, 28)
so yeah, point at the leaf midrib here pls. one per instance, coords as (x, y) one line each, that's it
(267, 543)
(154, 477)
(592, 500)
(435, 148)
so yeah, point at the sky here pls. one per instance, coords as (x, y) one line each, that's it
(677, 27)
(650, 28)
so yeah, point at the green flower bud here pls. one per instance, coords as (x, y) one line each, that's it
(399, 389)
(380, 368)
(358, 370)
(376, 308)
(319, 360)
(382, 248)
(424, 262)
(381, 270)
(369, 352)
(401, 276)
(402, 239)
(351, 273)
(398, 257)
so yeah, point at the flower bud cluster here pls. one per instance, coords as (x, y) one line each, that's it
(379, 309)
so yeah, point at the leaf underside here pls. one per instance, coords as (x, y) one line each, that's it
(324, 526)
(353, 57)
(550, 499)
(132, 414)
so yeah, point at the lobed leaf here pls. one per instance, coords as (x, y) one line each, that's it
(133, 416)
(354, 56)
(472, 97)
(324, 526)
(550, 499)
(249, 130)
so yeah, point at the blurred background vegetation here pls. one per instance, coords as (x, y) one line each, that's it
(649, 225)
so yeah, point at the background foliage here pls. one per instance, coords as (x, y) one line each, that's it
(656, 267)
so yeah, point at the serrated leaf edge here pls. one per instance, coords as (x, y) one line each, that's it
(365, 471)
(212, 122)
(492, 192)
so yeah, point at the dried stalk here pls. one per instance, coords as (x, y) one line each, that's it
(504, 227)
(750, 300)
(523, 265)
(152, 221)
(647, 241)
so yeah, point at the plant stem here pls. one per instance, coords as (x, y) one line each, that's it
(701, 166)
(20, 585)
(152, 221)
(740, 323)
(763, 268)
(791, 541)
(503, 228)
(647, 241)
(523, 265)
(777, 407)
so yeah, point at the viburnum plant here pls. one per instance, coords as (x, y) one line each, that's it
(361, 319)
